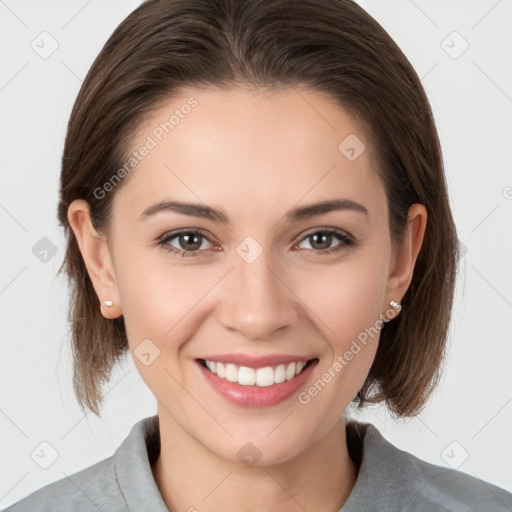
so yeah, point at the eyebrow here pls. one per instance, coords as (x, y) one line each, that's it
(206, 212)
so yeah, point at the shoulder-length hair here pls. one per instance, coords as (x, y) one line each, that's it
(330, 46)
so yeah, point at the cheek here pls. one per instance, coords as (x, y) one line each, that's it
(346, 298)
(160, 298)
(347, 303)
(146, 298)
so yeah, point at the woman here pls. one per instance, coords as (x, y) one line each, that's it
(256, 208)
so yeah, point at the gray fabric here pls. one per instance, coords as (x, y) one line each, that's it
(389, 479)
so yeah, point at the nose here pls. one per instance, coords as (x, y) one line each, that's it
(257, 301)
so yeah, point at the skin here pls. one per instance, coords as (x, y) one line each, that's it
(255, 156)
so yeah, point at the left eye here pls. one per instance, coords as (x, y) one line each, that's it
(321, 240)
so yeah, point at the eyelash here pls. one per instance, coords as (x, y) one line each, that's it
(164, 240)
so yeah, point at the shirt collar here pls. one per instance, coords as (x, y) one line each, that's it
(380, 466)
(133, 461)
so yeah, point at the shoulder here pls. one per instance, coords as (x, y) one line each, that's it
(397, 480)
(118, 483)
(89, 489)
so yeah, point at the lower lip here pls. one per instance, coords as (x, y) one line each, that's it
(255, 396)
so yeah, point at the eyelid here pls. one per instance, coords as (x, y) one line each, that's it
(340, 232)
(170, 235)
(175, 232)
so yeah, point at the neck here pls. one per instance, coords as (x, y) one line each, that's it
(192, 478)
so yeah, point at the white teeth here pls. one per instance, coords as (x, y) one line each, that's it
(265, 376)
(280, 374)
(300, 367)
(246, 376)
(211, 366)
(290, 371)
(221, 370)
(231, 373)
(262, 377)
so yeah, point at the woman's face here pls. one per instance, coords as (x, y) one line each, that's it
(266, 274)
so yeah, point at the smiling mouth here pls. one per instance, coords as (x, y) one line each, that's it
(260, 377)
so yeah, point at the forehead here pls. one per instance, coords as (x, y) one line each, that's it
(268, 147)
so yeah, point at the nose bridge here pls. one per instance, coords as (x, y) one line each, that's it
(258, 301)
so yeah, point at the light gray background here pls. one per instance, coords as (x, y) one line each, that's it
(471, 413)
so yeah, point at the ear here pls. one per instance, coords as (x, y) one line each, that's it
(405, 255)
(96, 256)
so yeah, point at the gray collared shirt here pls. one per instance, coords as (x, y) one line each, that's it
(389, 479)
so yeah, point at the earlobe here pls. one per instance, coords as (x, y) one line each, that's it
(95, 253)
(406, 254)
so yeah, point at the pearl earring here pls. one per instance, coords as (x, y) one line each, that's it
(395, 305)
(108, 303)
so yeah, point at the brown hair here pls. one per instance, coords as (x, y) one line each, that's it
(331, 46)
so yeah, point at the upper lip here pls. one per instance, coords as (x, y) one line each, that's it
(252, 361)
